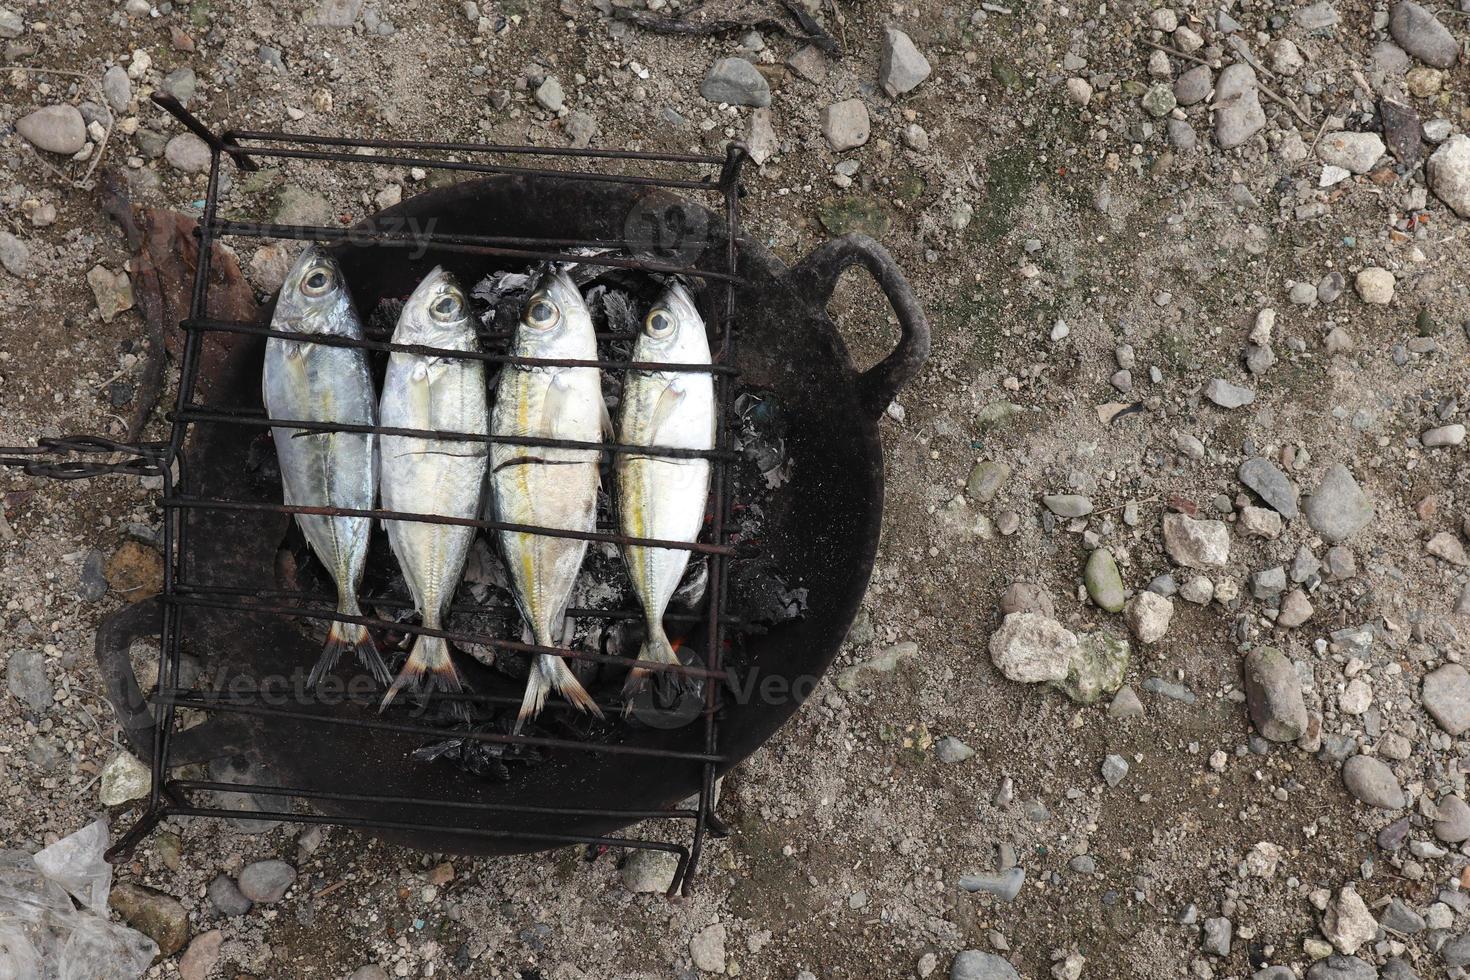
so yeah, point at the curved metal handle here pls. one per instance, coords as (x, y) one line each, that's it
(816, 277)
(115, 637)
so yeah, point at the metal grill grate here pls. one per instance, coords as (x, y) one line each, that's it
(169, 796)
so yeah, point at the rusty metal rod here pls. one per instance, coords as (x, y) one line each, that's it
(382, 144)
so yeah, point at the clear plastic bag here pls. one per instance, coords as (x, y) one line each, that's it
(44, 936)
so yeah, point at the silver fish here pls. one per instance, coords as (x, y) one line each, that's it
(550, 487)
(316, 383)
(433, 476)
(659, 496)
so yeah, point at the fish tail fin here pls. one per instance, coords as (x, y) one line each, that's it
(429, 668)
(344, 637)
(550, 673)
(656, 649)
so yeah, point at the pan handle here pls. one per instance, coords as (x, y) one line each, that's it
(816, 277)
(115, 637)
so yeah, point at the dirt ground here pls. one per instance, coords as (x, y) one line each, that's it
(1018, 210)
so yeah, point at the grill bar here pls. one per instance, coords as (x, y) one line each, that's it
(607, 537)
(249, 329)
(236, 417)
(467, 244)
(167, 796)
(480, 639)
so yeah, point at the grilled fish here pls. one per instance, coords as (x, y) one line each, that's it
(433, 476)
(659, 496)
(550, 487)
(312, 382)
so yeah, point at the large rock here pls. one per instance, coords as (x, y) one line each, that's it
(1447, 697)
(188, 153)
(1031, 648)
(1338, 508)
(1196, 544)
(1273, 693)
(25, 678)
(1372, 782)
(737, 82)
(974, 964)
(1348, 924)
(1354, 152)
(55, 129)
(266, 882)
(1340, 967)
(1271, 485)
(1103, 581)
(1238, 112)
(1448, 171)
(1148, 616)
(158, 916)
(1421, 34)
(902, 66)
(1452, 820)
(1097, 668)
(845, 124)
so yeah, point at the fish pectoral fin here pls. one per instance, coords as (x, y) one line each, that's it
(668, 403)
(608, 432)
(420, 393)
(558, 392)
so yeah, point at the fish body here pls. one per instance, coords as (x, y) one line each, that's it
(313, 382)
(433, 476)
(546, 486)
(658, 496)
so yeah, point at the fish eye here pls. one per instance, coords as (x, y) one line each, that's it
(542, 313)
(659, 323)
(447, 306)
(318, 282)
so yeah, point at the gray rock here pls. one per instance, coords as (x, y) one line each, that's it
(55, 129)
(650, 872)
(951, 750)
(1421, 34)
(341, 14)
(1004, 885)
(188, 153)
(117, 88)
(1169, 689)
(1182, 135)
(1339, 967)
(1067, 504)
(1103, 581)
(735, 81)
(549, 94)
(370, 972)
(845, 124)
(1330, 287)
(1274, 973)
(1270, 484)
(1452, 821)
(1397, 969)
(580, 128)
(1372, 782)
(1238, 112)
(25, 677)
(298, 206)
(1456, 952)
(1114, 768)
(1447, 698)
(1400, 918)
(1273, 693)
(1149, 615)
(1228, 395)
(266, 882)
(15, 255)
(902, 66)
(1218, 933)
(1338, 508)
(1027, 597)
(1268, 584)
(1193, 85)
(1031, 648)
(12, 24)
(226, 897)
(1295, 609)
(1159, 100)
(1347, 923)
(1316, 17)
(986, 480)
(1448, 171)
(1354, 152)
(181, 84)
(1083, 864)
(973, 964)
(1125, 705)
(1196, 544)
(92, 583)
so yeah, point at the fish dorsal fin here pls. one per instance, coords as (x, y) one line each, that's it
(668, 403)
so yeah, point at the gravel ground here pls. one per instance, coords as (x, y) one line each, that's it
(1199, 381)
